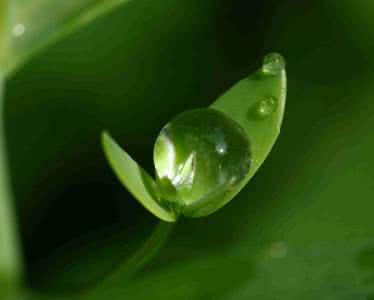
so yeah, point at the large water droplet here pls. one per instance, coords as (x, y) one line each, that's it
(198, 153)
(273, 64)
(266, 106)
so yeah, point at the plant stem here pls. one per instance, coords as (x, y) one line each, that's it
(137, 261)
(10, 258)
(10, 262)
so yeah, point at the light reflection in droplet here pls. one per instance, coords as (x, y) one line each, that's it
(266, 106)
(273, 64)
(185, 173)
(221, 148)
(18, 29)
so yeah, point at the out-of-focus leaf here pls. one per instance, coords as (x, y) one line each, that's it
(277, 272)
(10, 257)
(184, 281)
(4, 36)
(38, 23)
(90, 263)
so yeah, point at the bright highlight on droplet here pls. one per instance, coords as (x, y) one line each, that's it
(18, 30)
(221, 149)
(199, 156)
(266, 106)
(273, 64)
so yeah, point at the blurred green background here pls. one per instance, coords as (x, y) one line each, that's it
(303, 228)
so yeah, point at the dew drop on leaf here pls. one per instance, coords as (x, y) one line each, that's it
(265, 107)
(198, 153)
(273, 64)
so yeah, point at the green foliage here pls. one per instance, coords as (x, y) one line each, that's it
(40, 23)
(10, 261)
(247, 103)
(301, 229)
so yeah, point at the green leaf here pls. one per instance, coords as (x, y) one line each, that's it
(4, 36)
(37, 24)
(10, 258)
(242, 103)
(137, 180)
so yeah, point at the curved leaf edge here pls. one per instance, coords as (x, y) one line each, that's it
(140, 184)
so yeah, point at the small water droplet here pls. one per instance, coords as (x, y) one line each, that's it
(265, 107)
(278, 250)
(221, 148)
(273, 64)
(198, 156)
(18, 29)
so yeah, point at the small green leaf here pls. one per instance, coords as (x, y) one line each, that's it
(137, 180)
(257, 103)
(243, 103)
